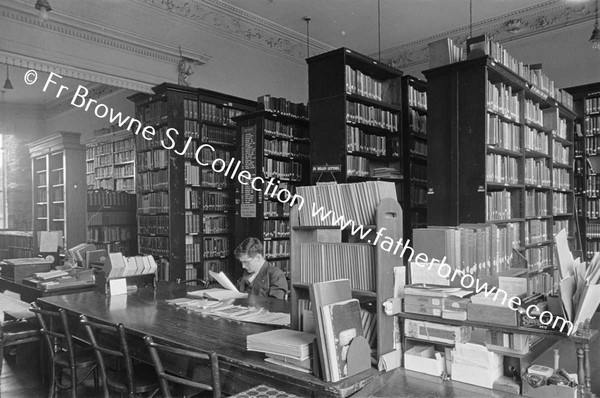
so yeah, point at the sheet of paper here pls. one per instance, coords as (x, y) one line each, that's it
(390, 361)
(567, 290)
(223, 280)
(50, 241)
(117, 286)
(420, 273)
(589, 302)
(565, 257)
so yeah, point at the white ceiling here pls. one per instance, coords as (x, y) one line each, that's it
(353, 23)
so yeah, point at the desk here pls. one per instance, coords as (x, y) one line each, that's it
(144, 312)
(30, 293)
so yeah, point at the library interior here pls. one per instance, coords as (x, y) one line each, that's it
(277, 198)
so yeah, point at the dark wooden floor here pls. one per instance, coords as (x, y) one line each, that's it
(20, 379)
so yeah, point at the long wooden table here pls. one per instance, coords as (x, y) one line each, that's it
(31, 293)
(145, 312)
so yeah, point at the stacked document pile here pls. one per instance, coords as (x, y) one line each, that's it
(235, 312)
(288, 348)
(55, 280)
(386, 172)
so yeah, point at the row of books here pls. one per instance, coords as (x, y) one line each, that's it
(593, 209)
(191, 174)
(276, 229)
(538, 257)
(103, 160)
(289, 170)
(593, 247)
(110, 234)
(536, 140)
(111, 217)
(218, 114)
(358, 166)
(371, 116)
(283, 130)
(153, 225)
(502, 169)
(154, 202)
(419, 148)
(417, 98)
(110, 198)
(502, 134)
(124, 156)
(357, 202)
(559, 225)
(124, 171)
(417, 121)
(282, 105)
(328, 261)
(561, 179)
(157, 159)
(119, 266)
(217, 135)
(478, 249)
(592, 105)
(592, 146)
(540, 283)
(277, 248)
(16, 244)
(103, 172)
(212, 179)
(537, 172)
(153, 180)
(154, 245)
(212, 224)
(213, 246)
(560, 203)
(210, 201)
(593, 185)
(499, 205)
(154, 113)
(276, 209)
(358, 140)
(360, 83)
(502, 100)
(536, 231)
(560, 153)
(286, 148)
(536, 203)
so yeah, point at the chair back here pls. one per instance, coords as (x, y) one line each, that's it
(98, 334)
(55, 331)
(159, 351)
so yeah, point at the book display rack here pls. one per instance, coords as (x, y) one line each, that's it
(185, 209)
(503, 146)
(273, 144)
(587, 165)
(59, 195)
(321, 252)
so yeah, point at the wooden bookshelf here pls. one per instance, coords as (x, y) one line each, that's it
(371, 291)
(414, 132)
(110, 162)
(504, 154)
(272, 145)
(355, 107)
(185, 209)
(59, 194)
(586, 100)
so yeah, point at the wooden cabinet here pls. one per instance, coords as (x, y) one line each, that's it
(59, 186)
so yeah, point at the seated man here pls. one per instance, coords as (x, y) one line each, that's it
(259, 278)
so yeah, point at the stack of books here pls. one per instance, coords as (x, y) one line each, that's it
(284, 347)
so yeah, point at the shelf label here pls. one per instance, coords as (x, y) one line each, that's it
(327, 168)
(248, 194)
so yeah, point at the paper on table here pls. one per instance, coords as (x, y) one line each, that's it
(389, 361)
(565, 257)
(590, 299)
(567, 289)
(223, 280)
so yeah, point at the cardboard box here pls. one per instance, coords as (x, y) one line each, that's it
(424, 359)
(436, 332)
(423, 309)
(549, 391)
(19, 268)
(492, 314)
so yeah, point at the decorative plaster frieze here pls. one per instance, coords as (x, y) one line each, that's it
(519, 24)
(225, 19)
(97, 91)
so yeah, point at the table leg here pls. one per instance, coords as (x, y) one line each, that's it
(588, 371)
(581, 374)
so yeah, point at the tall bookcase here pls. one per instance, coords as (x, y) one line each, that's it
(274, 145)
(586, 100)
(185, 209)
(59, 194)
(110, 162)
(414, 128)
(503, 155)
(355, 107)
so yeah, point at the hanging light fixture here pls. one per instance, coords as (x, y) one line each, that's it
(43, 6)
(595, 39)
(7, 84)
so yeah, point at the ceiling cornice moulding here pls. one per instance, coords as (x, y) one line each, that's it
(531, 21)
(97, 91)
(87, 30)
(225, 19)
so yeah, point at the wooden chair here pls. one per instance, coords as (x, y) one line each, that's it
(158, 352)
(15, 332)
(127, 377)
(63, 352)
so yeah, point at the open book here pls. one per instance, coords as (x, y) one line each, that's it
(229, 291)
